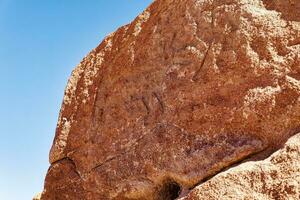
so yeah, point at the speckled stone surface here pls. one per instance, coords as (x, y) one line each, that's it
(187, 89)
(277, 177)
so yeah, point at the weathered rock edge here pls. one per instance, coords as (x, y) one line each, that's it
(277, 177)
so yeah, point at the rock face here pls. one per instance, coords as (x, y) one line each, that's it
(277, 177)
(189, 88)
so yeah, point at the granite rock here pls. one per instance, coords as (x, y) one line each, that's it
(189, 88)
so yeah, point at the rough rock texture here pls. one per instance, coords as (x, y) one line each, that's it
(37, 197)
(189, 88)
(277, 177)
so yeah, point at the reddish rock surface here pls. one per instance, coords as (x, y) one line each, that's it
(277, 177)
(188, 88)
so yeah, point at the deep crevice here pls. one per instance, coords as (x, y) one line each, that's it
(169, 190)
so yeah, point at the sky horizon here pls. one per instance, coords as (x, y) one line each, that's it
(41, 43)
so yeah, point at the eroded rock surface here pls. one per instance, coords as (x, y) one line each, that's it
(188, 88)
(277, 177)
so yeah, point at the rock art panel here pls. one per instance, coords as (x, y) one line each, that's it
(189, 88)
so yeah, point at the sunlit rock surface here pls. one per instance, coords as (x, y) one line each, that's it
(189, 88)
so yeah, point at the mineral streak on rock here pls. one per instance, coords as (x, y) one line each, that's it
(189, 88)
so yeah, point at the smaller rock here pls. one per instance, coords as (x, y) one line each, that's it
(277, 177)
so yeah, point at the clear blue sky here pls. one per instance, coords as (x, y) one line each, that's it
(40, 43)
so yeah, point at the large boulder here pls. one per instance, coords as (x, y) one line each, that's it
(189, 88)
